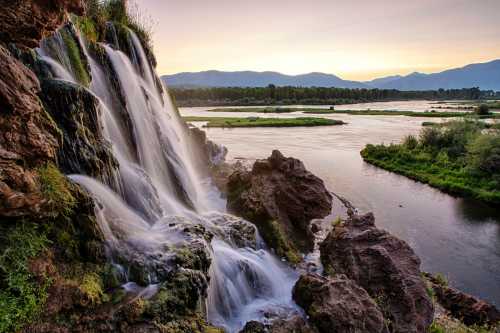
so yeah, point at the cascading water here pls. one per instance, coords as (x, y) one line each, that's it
(159, 189)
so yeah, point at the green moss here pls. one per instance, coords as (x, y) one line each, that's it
(21, 295)
(87, 27)
(75, 58)
(92, 287)
(56, 190)
(276, 238)
(264, 122)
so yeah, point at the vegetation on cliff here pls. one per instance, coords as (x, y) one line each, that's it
(227, 122)
(461, 158)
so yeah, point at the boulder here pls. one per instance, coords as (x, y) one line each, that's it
(279, 195)
(385, 266)
(293, 324)
(338, 305)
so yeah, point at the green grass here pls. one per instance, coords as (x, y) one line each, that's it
(426, 114)
(427, 167)
(264, 122)
(21, 295)
(256, 110)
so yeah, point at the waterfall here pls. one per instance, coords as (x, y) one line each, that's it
(159, 190)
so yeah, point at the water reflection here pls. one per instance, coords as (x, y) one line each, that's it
(460, 238)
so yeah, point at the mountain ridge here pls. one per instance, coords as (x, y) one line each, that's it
(485, 75)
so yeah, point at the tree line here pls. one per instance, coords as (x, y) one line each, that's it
(288, 95)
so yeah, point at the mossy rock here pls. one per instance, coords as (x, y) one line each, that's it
(277, 239)
(181, 295)
(76, 112)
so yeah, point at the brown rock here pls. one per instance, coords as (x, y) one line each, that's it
(27, 138)
(26, 22)
(338, 305)
(385, 266)
(467, 308)
(280, 189)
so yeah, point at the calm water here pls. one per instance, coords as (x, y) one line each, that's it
(453, 236)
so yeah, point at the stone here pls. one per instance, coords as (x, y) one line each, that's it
(338, 305)
(280, 189)
(385, 266)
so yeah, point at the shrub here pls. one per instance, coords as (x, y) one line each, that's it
(482, 110)
(483, 154)
(410, 142)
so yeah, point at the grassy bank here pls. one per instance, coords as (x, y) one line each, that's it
(256, 110)
(264, 122)
(460, 158)
(426, 114)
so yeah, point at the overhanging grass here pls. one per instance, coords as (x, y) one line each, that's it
(227, 122)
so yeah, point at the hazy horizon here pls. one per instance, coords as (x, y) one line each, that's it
(360, 40)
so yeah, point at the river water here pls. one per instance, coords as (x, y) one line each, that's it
(457, 237)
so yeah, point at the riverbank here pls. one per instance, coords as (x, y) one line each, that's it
(458, 158)
(426, 114)
(227, 122)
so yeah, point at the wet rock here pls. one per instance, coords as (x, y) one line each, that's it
(76, 111)
(280, 189)
(467, 308)
(235, 230)
(25, 23)
(338, 305)
(385, 266)
(208, 153)
(293, 324)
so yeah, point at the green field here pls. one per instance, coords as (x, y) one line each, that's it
(228, 122)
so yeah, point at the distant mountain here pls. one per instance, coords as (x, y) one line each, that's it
(486, 76)
(257, 79)
(382, 80)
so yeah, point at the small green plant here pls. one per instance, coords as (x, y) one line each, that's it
(56, 190)
(337, 222)
(21, 295)
(441, 279)
(92, 288)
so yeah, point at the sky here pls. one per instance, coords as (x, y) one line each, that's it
(354, 39)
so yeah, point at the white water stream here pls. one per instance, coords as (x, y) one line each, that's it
(157, 182)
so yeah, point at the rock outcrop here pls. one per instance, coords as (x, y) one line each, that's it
(26, 22)
(385, 266)
(338, 305)
(464, 307)
(281, 197)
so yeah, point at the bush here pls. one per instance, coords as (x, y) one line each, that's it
(410, 142)
(483, 154)
(482, 110)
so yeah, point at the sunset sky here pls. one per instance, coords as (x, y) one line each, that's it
(356, 39)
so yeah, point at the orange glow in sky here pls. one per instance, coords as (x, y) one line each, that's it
(356, 39)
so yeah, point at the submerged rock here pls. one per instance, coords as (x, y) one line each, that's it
(281, 197)
(338, 305)
(385, 266)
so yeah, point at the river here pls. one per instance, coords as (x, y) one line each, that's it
(457, 237)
